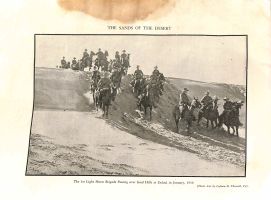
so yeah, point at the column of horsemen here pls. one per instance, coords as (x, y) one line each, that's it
(107, 75)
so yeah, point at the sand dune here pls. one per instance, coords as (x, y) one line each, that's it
(68, 137)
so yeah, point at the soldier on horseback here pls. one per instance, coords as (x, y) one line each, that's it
(68, 65)
(155, 72)
(184, 101)
(207, 102)
(228, 105)
(135, 83)
(96, 74)
(74, 64)
(117, 57)
(100, 57)
(105, 82)
(85, 54)
(63, 62)
(123, 57)
(138, 74)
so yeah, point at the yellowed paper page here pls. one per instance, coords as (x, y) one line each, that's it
(56, 142)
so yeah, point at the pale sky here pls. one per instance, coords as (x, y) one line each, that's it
(202, 58)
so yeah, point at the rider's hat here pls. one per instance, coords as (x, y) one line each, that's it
(63, 57)
(216, 98)
(156, 67)
(226, 98)
(137, 66)
(207, 92)
(99, 49)
(74, 58)
(124, 51)
(185, 89)
(240, 102)
(85, 49)
(196, 98)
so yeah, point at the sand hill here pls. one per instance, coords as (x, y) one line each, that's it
(69, 137)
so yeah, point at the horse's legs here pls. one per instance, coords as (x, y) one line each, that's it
(145, 111)
(212, 123)
(103, 110)
(237, 130)
(233, 128)
(188, 125)
(199, 118)
(207, 125)
(150, 112)
(177, 124)
(107, 108)
(228, 127)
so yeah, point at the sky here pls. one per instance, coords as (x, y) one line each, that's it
(201, 58)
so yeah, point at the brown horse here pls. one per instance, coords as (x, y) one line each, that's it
(146, 100)
(187, 116)
(105, 98)
(231, 118)
(210, 114)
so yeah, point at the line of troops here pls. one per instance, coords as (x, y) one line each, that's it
(142, 84)
(208, 103)
(101, 61)
(105, 80)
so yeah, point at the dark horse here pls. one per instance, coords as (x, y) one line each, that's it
(105, 98)
(231, 118)
(210, 114)
(137, 86)
(146, 100)
(187, 116)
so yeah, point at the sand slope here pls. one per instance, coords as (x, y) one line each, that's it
(68, 137)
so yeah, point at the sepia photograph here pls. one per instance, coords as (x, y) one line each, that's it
(139, 105)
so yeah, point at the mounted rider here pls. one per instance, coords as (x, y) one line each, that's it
(104, 85)
(228, 105)
(184, 101)
(105, 82)
(63, 62)
(207, 102)
(85, 54)
(117, 57)
(100, 56)
(123, 57)
(96, 76)
(68, 65)
(155, 72)
(74, 62)
(138, 74)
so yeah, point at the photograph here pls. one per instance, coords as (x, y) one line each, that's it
(139, 105)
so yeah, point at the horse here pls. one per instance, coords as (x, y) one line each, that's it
(231, 119)
(104, 100)
(196, 105)
(210, 114)
(106, 95)
(116, 79)
(187, 116)
(146, 100)
(136, 83)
